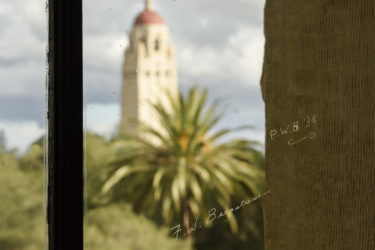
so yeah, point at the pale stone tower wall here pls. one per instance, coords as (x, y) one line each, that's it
(149, 70)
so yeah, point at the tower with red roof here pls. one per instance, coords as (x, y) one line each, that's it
(149, 70)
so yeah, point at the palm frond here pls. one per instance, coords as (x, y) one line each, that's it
(188, 171)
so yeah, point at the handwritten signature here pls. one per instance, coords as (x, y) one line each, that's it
(292, 142)
(213, 215)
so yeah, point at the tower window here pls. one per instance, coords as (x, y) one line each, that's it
(169, 54)
(157, 44)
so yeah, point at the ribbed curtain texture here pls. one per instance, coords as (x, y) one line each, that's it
(318, 84)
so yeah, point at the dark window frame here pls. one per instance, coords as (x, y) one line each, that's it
(65, 125)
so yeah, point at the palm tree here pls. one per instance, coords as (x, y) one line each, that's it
(189, 171)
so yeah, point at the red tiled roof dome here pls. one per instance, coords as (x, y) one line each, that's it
(149, 17)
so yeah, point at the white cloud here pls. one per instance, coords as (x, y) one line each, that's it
(19, 37)
(23, 48)
(216, 38)
(249, 44)
(104, 51)
(242, 58)
(25, 79)
(21, 134)
(102, 118)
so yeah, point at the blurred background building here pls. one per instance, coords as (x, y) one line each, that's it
(149, 70)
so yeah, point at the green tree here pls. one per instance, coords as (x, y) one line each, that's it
(115, 226)
(33, 159)
(98, 154)
(3, 141)
(22, 219)
(22, 213)
(191, 170)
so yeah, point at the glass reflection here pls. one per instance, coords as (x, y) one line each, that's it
(172, 159)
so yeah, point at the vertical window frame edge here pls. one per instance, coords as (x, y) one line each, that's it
(65, 125)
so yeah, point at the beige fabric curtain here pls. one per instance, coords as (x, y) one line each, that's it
(318, 85)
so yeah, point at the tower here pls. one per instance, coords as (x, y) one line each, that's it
(149, 70)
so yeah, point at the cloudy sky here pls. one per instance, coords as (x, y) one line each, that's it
(219, 45)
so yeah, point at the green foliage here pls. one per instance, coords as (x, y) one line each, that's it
(33, 160)
(22, 220)
(188, 171)
(22, 213)
(3, 141)
(98, 154)
(116, 227)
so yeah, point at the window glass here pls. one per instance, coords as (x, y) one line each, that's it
(23, 36)
(174, 123)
